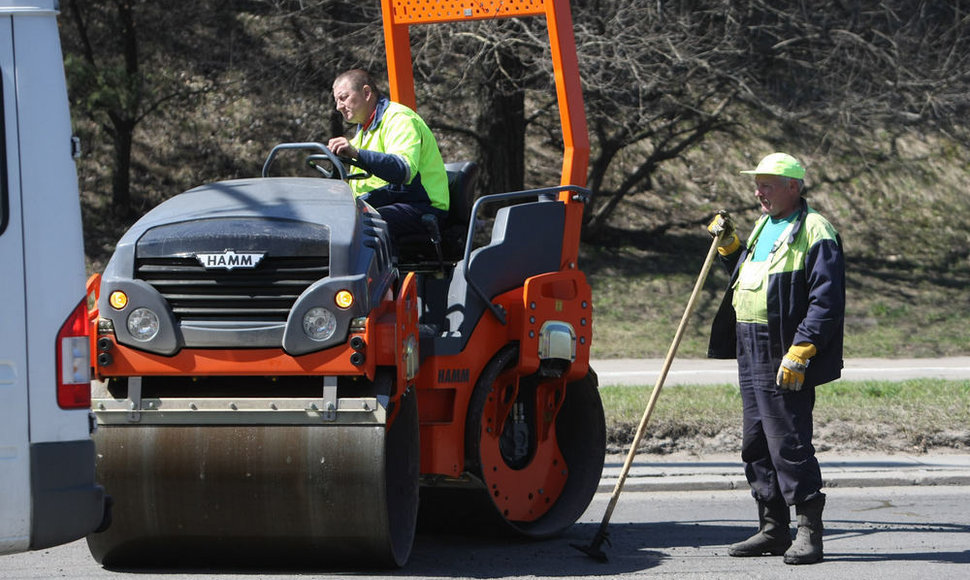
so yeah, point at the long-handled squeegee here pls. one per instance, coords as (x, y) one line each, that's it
(595, 550)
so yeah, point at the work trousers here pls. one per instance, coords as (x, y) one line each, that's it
(776, 446)
(404, 219)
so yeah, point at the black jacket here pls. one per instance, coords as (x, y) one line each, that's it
(806, 297)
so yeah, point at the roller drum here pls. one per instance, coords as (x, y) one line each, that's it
(279, 494)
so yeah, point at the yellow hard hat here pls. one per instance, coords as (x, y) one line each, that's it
(781, 164)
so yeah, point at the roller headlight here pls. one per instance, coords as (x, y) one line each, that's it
(143, 324)
(319, 324)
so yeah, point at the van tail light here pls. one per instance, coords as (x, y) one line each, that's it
(74, 361)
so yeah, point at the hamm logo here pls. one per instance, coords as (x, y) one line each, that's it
(229, 259)
(453, 375)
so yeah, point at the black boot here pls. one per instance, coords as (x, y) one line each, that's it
(774, 535)
(807, 548)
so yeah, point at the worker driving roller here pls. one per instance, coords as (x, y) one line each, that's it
(394, 144)
(267, 410)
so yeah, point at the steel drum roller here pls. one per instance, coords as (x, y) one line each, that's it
(286, 494)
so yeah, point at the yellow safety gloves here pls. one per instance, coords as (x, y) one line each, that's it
(791, 373)
(723, 227)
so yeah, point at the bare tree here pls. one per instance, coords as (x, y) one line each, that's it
(112, 82)
(655, 85)
(657, 82)
(178, 67)
(660, 78)
(852, 65)
(486, 83)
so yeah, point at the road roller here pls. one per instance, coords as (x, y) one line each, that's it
(276, 382)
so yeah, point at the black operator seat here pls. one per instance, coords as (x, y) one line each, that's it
(453, 230)
(462, 180)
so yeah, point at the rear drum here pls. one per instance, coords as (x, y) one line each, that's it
(539, 448)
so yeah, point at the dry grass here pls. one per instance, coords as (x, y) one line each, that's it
(900, 215)
(913, 416)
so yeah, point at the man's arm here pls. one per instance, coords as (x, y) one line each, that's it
(400, 154)
(390, 167)
(825, 276)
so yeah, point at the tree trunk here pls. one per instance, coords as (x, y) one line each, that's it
(501, 126)
(121, 176)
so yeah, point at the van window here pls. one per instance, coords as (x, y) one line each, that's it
(3, 163)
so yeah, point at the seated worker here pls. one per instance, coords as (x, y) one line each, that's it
(394, 144)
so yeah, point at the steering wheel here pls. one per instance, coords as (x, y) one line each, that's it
(324, 154)
(364, 173)
(336, 164)
(332, 166)
(341, 167)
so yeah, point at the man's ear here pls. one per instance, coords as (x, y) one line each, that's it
(367, 92)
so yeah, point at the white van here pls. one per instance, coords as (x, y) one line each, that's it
(48, 495)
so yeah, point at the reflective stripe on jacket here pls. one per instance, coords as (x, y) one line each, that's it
(806, 297)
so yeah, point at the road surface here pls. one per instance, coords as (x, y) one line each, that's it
(901, 533)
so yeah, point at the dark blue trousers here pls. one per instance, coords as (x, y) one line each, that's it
(404, 219)
(776, 446)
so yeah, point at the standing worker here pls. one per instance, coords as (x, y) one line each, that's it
(394, 144)
(782, 317)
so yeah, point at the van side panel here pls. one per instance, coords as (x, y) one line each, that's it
(14, 442)
(67, 505)
(46, 454)
(53, 240)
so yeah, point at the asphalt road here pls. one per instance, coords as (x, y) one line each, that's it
(708, 371)
(916, 531)
(871, 533)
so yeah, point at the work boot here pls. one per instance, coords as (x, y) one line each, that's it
(807, 548)
(774, 534)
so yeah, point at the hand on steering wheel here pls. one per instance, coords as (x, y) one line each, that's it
(364, 173)
(342, 148)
